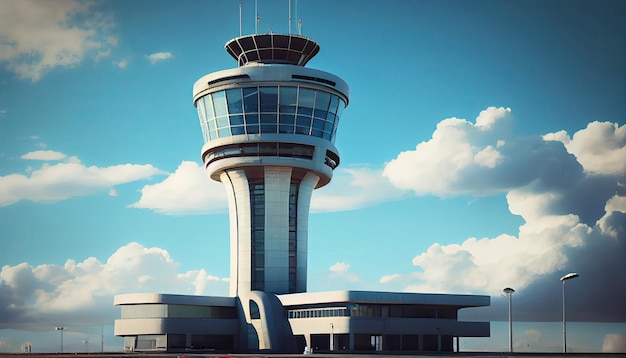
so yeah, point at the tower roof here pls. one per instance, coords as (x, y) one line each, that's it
(272, 48)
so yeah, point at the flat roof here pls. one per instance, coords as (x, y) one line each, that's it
(374, 297)
(163, 298)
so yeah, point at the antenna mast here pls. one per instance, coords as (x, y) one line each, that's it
(289, 32)
(256, 17)
(240, 19)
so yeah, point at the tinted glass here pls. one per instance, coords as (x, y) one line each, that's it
(219, 103)
(269, 99)
(235, 105)
(251, 99)
(288, 99)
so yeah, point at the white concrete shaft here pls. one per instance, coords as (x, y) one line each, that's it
(276, 182)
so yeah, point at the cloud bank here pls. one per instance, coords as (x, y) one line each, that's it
(571, 193)
(81, 293)
(38, 36)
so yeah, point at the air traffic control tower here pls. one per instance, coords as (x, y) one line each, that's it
(269, 126)
(269, 129)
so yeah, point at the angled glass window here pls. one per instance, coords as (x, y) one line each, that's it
(306, 98)
(219, 104)
(235, 104)
(223, 132)
(288, 99)
(322, 100)
(238, 130)
(334, 104)
(236, 120)
(251, 99)
(222, 122)
(208, 106)
(269, 99)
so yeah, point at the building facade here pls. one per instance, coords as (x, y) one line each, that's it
(269, 127)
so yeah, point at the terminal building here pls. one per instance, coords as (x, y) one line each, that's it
(269, 128)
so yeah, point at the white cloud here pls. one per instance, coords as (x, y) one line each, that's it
(113, 192)
(41, 35)
(62, 181)
(390, 278)
(81, 293)
(488, 265)
(600, 148)
(122, 64)
(160, 56)
(339, 267)
(488, 157)
(44, 155)
(340, 275)
(570, 193)
(189, 190)
(614, 343)
(353, 188)
(457, 148)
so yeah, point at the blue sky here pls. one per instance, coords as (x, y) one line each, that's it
(484, 147)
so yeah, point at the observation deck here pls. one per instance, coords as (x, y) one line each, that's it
(272, 48)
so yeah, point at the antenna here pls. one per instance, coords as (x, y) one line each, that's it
(289, 32)
(297, 17)
(240, 19)
(256, 17)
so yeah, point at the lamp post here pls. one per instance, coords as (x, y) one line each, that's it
(569, 276)
(60, 328)
(509, 293)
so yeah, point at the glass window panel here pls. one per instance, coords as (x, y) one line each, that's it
(251, 99)
(288, 99)
(334, 104)
(304, 121)
(201, 111)
(328, 126)
(302, 130)
(316, 133)
(326, 135)
(322, 99)
(252, 118)
(269, 99)
(222, 122)
(236, 120)
(286, 119)
(330, 117)
(267, 128)
(306, 111)
(318, 124)
(233, 96)
(208, 106)
(252, 128)
(211, 124)
(219, 103)
(342, 106)
(213, 135)
(223, 132)
(306, 97)
(238, 130)
(320, 113)
(268, 118)
(285, 128)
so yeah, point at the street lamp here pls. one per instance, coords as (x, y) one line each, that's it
(509, 292)
(59, 328)
(569, 276)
